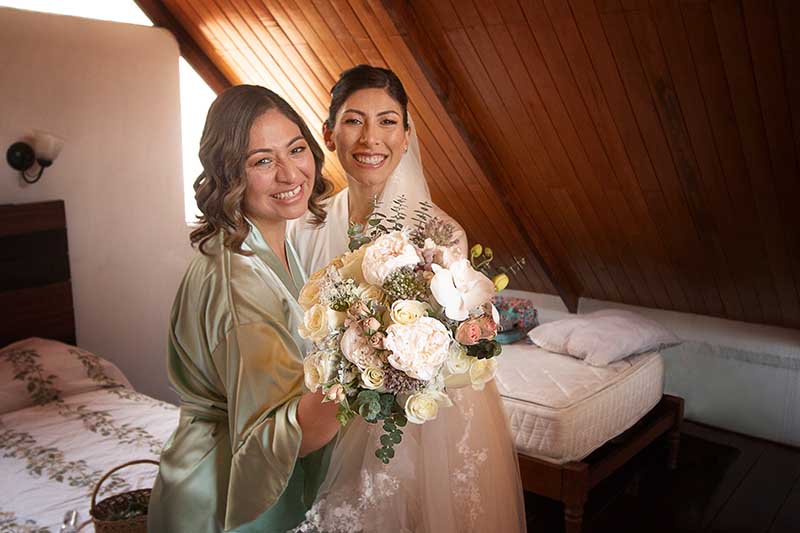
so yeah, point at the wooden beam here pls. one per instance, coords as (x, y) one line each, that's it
(161, 17)
(428, 53)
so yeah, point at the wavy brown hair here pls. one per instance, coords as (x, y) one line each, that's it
(219, 190)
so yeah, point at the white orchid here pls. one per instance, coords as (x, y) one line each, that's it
(460, 289)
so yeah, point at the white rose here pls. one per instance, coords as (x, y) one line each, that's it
(423, 406)
(319, 321)
(335, 393)
(309, 294)
(311, 373)
(388, 253)
(460, 289)
(372, 378)
(482, 371)
(356, 348)
(351, 265)
(418, 349)
(458, 360)
(315, 323)
(369, 293)
(407, 311)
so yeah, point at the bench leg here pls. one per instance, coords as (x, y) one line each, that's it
(674, 439)
(674, 435)
(575, 492)
(573, 519)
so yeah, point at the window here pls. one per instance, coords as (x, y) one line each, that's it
(196, 95)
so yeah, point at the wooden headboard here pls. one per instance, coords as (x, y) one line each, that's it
(35, 288)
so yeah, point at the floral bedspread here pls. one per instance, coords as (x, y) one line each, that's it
(52, 455)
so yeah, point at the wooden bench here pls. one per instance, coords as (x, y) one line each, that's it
(571, 482)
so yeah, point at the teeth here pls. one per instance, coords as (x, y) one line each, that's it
(369, 160)
(288, 194)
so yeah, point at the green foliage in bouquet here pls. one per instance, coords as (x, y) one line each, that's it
(485, 349)
(374, 407)
(379, 223)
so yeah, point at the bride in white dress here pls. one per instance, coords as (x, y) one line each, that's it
(458, 473)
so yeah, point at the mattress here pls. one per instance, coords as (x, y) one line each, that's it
(561, 409)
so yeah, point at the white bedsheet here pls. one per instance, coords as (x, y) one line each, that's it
(51, 456)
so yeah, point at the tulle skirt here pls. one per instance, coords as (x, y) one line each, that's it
(458, 473)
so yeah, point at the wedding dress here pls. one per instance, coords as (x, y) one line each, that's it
(458, 473)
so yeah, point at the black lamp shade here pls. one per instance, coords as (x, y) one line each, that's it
(20, 156)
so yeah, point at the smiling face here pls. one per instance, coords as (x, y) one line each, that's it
(279, 169)
(368, 136)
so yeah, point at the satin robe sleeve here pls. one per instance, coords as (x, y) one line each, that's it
(264, 380)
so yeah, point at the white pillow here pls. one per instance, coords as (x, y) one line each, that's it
(602, 337)
(37, 371)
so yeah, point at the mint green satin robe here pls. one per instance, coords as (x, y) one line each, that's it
(235, 360)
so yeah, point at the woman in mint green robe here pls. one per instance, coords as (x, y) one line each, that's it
(252, 443)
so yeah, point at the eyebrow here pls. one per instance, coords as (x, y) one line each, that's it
(357, 112)
(270, 150)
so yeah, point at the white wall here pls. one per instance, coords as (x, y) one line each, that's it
(111, 90)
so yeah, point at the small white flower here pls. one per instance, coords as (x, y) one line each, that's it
(418, 349)
(388, 253)
(460, 289)
(407, 311)
(423, 406)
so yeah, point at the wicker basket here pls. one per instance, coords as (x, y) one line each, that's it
(118, 503)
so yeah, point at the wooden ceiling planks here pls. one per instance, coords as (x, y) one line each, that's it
(642, 151)
(656, 139)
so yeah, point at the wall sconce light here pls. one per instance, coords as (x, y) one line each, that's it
(22, 156)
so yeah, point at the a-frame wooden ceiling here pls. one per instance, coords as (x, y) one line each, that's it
(635, 151)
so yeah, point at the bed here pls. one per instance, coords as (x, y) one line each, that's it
(574, 424)
(561, 409)
(67, 416)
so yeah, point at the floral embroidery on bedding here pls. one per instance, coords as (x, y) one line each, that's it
(28, 368)
(50, 461)
(102, 422)
(10, 523)
(94, 368)
(42, 390)
(96, 372)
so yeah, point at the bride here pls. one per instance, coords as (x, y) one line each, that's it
(457, 473)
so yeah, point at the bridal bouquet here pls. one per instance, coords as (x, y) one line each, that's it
(395, 323)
